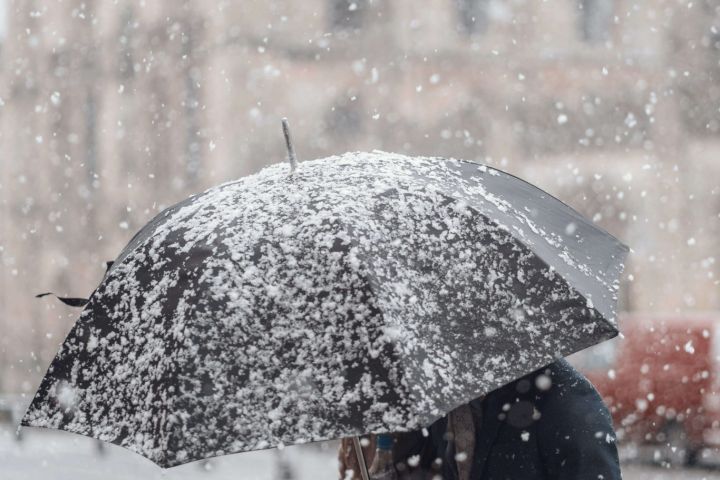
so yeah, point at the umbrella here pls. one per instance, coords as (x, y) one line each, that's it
(365, 292)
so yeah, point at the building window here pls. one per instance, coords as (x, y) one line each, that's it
(3, 19)
(347, 14)
(473, 15)
(91, 135)
(595, 20)
(126, 62)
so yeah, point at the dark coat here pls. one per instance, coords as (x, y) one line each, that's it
(551, 424)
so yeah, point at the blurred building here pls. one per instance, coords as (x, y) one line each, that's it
(110, 111)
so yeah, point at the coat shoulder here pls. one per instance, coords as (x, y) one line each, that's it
(555, 379)
(562, 380)
(556, 390)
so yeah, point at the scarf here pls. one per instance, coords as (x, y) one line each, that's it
(461, 430)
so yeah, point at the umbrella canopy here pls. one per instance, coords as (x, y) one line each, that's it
(367, 292)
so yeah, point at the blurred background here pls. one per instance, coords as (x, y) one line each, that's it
(111, 111)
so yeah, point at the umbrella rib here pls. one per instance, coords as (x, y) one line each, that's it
(541, 256)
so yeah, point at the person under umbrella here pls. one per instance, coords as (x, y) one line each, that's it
(550, 424)
(343, 296)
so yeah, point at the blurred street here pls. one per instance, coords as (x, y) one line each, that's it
(52, 455)
(645, 472)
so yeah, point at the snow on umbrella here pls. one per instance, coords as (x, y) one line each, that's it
(366, 292)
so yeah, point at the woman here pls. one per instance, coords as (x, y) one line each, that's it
(550, 424)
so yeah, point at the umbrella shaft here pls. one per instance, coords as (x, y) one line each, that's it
(361, 458)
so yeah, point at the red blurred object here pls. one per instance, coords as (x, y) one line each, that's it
(661, 381)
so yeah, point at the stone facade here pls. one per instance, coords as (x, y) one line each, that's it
(112, 110)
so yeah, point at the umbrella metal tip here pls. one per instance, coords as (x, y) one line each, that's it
(288, 143)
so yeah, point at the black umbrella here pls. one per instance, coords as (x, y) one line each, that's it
(367, 292)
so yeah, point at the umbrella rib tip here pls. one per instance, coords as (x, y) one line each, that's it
(288, 143)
